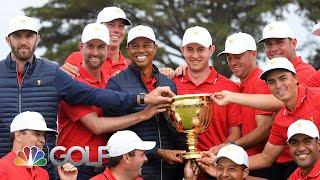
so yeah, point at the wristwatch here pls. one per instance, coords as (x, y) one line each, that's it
(140, 98)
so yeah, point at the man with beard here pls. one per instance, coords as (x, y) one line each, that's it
(304, 146)
(143, 76)
(34, 84)
(126, 156)
(28, 135)
(81, 125)
(115, 20)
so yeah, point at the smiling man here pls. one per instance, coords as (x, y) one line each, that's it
(241, 52)
(280, 41)
(299, 102)
(115, 20)
(143, 76)
(304, 146)
(126, 156)
(197, 49)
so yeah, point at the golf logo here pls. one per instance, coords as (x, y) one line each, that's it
(30, 157)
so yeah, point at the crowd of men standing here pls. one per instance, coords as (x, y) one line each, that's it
(258, 126)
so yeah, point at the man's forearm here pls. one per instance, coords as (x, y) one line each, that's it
(265, 102)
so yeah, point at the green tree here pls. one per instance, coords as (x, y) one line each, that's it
(63, 21)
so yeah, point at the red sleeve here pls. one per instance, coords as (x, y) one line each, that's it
(76, 112)
(75, 58)
(278, 134)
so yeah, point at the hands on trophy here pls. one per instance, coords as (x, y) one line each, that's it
(191, 114)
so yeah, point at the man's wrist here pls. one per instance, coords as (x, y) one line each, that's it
(141, 98)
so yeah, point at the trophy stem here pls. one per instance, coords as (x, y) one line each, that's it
(193, 153)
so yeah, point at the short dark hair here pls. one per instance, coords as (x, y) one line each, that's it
(114, 161)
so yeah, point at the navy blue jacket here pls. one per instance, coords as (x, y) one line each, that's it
(43, 85)
(156, 129)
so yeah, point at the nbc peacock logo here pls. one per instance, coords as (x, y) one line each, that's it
(30, 157)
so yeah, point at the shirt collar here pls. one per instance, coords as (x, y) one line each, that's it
(122, 60)
(302, 91)
(88, 77)
(211, 79)
(296, 61)
(253, 74)
(314, 172)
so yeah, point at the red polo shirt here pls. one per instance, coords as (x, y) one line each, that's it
(109, 68)
(223, 117)
(314, 174)
(71, 130)
(304, 71)
(107, 175)
(9, 171)
(307, 107)
(314, 81)
(253, 85)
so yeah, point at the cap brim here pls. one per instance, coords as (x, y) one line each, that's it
(265, 74)
(222, 53)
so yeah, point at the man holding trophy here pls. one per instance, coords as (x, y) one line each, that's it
(197, 48)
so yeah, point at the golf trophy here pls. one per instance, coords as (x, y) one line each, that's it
(191, 114)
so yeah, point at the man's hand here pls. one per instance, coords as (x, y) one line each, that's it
(214, 150)
(191, 170)
(171, 156)
(67, 172)
(206, 163)
(169, 72)
(160, 95)
(222, 98)
(71, 70)
(181, 70)
(152, 109)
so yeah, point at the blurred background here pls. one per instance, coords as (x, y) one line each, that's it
(61, 23)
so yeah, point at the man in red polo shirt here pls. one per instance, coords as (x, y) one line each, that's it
(304, 146)
(299, 103)
(81, 125)
(126, 156)
(241, 52)
(197, 49)
(280, 41)
(115, 19)
(31, 134)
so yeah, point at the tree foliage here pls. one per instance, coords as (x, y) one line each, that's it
(63, 21)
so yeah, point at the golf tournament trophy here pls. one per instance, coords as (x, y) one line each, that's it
(191, 114)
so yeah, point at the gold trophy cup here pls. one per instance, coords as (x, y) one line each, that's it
(191, 114)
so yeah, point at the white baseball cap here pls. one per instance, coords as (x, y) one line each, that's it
(125, 141)
(29, 120)
(141, 31)
(277, 29)
(277, 63)
(316, 29)
(238, 43)
(198, 35)
(235, 153)
(95, 31)
(302, 126)
(111, 13)
(22, 23)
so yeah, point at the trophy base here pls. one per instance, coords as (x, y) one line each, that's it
(193, 155)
